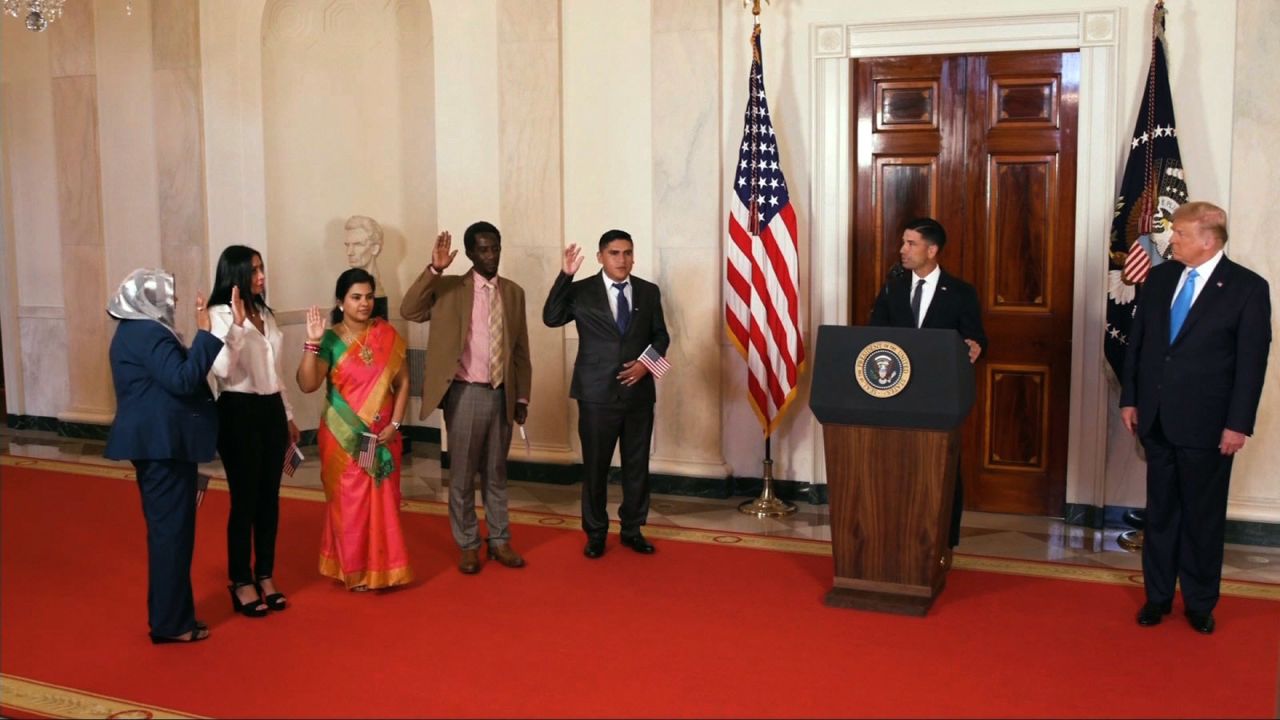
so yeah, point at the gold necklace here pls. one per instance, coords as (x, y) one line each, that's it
(365, 353)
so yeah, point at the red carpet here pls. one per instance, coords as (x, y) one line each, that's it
(696, 630)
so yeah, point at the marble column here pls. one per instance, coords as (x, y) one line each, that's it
(530, 199)
(1255, 165)
(687, 229)
(175, 42)
(75, 118)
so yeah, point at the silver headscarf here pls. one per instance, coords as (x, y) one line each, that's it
(145, 294)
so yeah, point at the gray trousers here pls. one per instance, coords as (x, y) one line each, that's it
(479, 436)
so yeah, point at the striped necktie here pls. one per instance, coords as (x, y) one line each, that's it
(497, 344)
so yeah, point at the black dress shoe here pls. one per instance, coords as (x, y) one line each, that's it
(638, 543)
(1152, 613)
(594, 548)
(1201, 622)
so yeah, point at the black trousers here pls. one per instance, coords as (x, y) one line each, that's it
(1186, 521)
(601, 426)
(253, 435)
(168, 490)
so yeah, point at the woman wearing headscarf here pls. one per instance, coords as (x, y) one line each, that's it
(255, 425)
(361, 360)
(165, 423)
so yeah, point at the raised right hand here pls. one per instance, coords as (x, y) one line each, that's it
(237, 306)
(315, 324)
(572, 259)
(441, 257)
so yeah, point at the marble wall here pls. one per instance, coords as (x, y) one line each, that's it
(1255, 166)
(195, 124)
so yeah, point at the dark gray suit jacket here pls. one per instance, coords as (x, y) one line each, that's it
(601, 348)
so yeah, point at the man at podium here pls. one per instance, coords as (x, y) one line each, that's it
(920, 294)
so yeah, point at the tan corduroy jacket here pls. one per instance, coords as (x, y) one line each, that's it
(445, 301)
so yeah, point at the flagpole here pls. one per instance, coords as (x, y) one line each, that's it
(1132, 539)
(768, 504)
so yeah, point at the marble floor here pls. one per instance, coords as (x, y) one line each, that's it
(1015, 537)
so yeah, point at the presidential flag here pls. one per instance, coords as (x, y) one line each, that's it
(292, 459)
(1153, 186)
(762, 299)
(368, 456)
(654, 361)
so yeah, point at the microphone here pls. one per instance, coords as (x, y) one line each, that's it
(896, 272)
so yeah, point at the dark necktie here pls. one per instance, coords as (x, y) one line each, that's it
(915, 301)
(624, 308)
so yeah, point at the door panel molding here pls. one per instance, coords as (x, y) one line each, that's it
(1096, 34)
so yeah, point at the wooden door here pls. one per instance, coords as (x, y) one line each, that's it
(985, 144)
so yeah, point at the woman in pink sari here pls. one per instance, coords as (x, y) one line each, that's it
(362, 360)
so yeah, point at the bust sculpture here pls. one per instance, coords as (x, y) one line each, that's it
(363, 242)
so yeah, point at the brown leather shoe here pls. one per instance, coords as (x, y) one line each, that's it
(505, 555)
(470, 562)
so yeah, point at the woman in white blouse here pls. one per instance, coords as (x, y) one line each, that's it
(255, 425)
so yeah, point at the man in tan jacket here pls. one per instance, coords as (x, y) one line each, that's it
(478, 371)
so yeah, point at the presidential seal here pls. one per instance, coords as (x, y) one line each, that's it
(883, 369)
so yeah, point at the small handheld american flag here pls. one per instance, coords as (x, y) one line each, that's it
(368, 452)
(657, 364)
(292, 460)
(202, 484)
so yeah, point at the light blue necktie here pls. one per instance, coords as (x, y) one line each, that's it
(1182, 305)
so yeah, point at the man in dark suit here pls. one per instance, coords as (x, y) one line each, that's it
(1193, 372)
(618, 316)
(923, 295)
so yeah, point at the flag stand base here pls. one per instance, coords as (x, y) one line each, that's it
(1130, 540)
(768, 504)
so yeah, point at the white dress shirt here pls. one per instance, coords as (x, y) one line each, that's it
(927, 292)
(612, 292)
(249, 362)
(1202, 276)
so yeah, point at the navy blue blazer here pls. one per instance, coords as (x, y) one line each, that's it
(954, 307)
(1210, 377)
(601, 348)
(164, 408)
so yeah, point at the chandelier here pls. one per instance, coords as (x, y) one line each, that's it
(39, 12)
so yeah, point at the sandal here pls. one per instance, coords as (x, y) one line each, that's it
(250, 609)
(276, 600)
(200, 632)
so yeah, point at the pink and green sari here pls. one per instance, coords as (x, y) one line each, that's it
(362, 542)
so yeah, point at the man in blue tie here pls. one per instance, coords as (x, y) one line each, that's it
(618, 315)
(1196, 360)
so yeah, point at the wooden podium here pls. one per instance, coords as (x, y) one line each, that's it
(892, 443)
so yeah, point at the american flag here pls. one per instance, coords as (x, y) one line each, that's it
(762, 302)
(292, 459)
(1153, 186)
(657, 364)
(202, 485)
(368, 452)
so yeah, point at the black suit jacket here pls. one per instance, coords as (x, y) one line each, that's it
(601, 348)
(1210, 377)
(954, 307)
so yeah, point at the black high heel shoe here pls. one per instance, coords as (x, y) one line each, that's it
(276, 600)
(257, 609)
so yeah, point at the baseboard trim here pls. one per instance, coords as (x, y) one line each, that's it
(686, 485)
(1238, 532)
